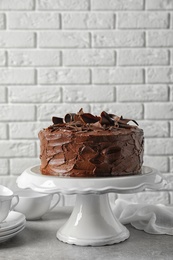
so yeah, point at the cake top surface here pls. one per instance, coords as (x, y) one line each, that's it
(86, 122)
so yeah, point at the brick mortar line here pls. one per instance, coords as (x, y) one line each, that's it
(115, 21)
(82, 30)
(169, 93)
(89, 102)
(87, 67)
(61, 95)
(115, 58)
(169, 128)
(171, 20)
(61, 59)
(3, 11)
(86, 11)
(60, 22)
(117, 29)
(90, 41)
(143, 111)
(5, 22)
(84, 84)
(36, 76)
(144, 5)
(113, 66)
(96, 11)
(115, 94)
(6, 58)
(83, 49)
(89, 5)
(170, 194)
(8, 131)
(144, 75)
(7, 94)
(89, 48)
(36, 43)
(84, 67)
(34, 5)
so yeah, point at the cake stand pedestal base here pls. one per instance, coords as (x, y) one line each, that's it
(92, 223)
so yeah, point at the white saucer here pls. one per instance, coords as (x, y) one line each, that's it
(6, 237)
(13, 230)
(13, 220)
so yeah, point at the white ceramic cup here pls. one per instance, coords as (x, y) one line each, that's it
(7, 201)
(34, 204)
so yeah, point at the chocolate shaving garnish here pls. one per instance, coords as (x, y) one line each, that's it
(57, 120)
(134, 121)
(88, 122)
(125, 121)
(69, 117)
(121, 119)
(89, 118)
(80, 112)
(106, 119)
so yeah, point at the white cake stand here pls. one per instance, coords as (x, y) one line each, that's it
(92, 221)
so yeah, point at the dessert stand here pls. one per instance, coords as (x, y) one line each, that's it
(92, 221)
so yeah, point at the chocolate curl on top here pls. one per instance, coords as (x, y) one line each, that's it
(125, 121)
(121, 120)
(89, 118)
(81, 119)
(69, 117)
(84, 118)
(80, 112)
(57, 120)
(106, 119)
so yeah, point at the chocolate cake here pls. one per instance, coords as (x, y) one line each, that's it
(84, 145)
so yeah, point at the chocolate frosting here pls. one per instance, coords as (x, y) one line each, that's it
(84, 145)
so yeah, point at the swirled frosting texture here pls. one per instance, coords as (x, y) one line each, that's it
(83, 145)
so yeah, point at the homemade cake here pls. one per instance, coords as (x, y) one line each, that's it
(83, 145)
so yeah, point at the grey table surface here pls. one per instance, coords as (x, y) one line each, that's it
(38, 242)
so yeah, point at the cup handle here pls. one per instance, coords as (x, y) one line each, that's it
(52, 205)
(13, 204)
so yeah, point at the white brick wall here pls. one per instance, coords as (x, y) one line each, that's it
(34, 21)
(34, 58)
(117, 39)
(58, 56)
(95, 20)
(16, 39)
(141, 20)
(16, 5)
(63, 39)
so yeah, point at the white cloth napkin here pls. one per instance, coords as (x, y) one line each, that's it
(153, 219)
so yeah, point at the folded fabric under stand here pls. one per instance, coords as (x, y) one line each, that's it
(92, 222)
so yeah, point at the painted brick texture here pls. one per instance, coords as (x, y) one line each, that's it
(58, 56)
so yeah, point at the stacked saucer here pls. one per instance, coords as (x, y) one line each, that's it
(12, 225)
(11, 222)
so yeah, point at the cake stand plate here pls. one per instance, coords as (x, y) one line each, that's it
(92, 221)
